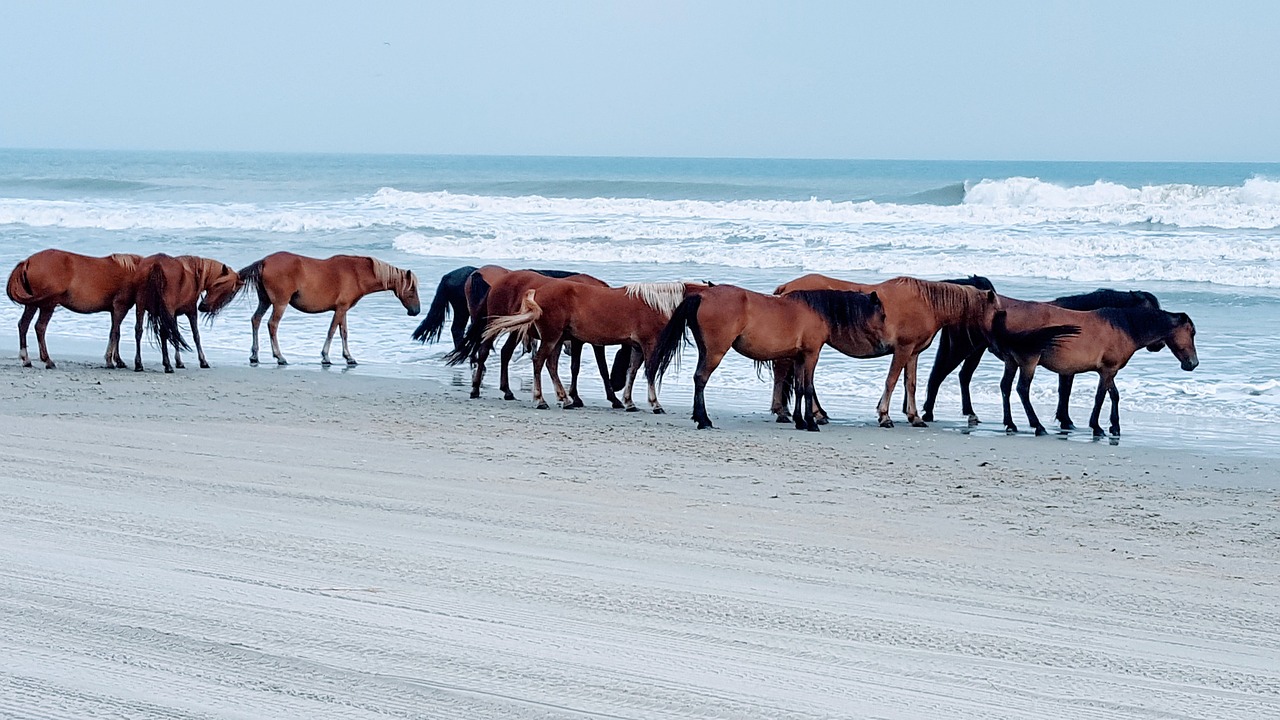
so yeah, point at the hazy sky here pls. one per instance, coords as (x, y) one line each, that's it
(1111, 80)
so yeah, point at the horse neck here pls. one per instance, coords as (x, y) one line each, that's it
(954, 304)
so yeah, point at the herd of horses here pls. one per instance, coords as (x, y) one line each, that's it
(546, 312)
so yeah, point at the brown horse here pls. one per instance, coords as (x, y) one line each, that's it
(82, 284)
(765, 328)
(914, 311)
(631, 315)
(313, 285)
(1100, 341)
(495, 291)
(173, 286)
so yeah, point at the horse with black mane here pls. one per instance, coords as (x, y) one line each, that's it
(173, 286)
(765, 328)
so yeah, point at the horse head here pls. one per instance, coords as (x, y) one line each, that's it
(1182, 341)
(407, 292)
(220, 285)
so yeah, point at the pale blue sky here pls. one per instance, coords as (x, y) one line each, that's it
(949, 80)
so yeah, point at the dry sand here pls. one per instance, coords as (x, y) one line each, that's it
(288, 543)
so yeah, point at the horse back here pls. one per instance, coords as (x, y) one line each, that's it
(80, 283)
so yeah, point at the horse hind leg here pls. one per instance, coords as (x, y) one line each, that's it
(328, 340)
(575, 364)
(1115, 407)
(273, 327)
(966, 376)
(195, 335)
(263, 305)
(24, 322)
(602, 363)
(42, 322)
(1025, 374)
(1063, 413)
(508, 350)
(909, 392)
(119, 311)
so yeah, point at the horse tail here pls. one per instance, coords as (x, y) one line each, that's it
(433, 324)
(1028, 342)
(252, 278)
(477, 297)
(19, 288)
(160, 320)
(672, 337)
(621, 364)
(519, 323)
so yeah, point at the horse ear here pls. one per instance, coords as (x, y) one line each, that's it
(874, 298)
(225, 271)
(991, 296)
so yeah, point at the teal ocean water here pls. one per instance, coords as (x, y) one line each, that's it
(1204, 237)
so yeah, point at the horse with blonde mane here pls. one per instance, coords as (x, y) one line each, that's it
(173, 286)
(80, 283)
(766, 328)
(312, 285)
(914, 312)
(495, 291)
(632, 315)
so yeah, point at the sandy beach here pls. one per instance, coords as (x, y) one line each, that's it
(287, 543)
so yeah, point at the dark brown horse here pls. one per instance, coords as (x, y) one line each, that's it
(1100, 341)
(631, 315)
(963, 349)
(312, 285)
(914, 312)
(765, 328)
(82, 284)
(494, 291)
(174, 286)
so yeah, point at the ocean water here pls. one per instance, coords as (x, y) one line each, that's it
(1205, 237)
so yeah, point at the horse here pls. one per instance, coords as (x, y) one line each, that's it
(1100, 341)
(173, 286)
(914, 311)
(765, 328)
(959, 348)
(82, 284)
(632, 315)
(313, 285)
(493, 290)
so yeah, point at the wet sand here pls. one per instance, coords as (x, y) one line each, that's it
(271, 542)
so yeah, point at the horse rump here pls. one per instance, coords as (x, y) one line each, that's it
(19, 288)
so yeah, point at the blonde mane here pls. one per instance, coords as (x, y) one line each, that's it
(664, 297)
(393, 278)
(126, 260)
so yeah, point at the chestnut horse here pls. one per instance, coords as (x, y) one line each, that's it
(492, 291)
(631, 315)
(965, 349)
(313, 285)
(765, 328)
(914, 311)
(1100, 341)
(82, 284)
(173, 286)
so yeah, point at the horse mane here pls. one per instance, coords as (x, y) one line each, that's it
(390, 276)
(841, 309)
(976, 281)
(127, 261)
(1105, 297)
(664, 297)
(1143, 325)
(962, 303)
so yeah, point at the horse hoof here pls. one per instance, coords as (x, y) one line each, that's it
(137, 368)
(1010, 429)
(886, 423)
(325, 362)
(1097, 432)
(475, 395)
(704, 425)
(823, 420)
(568, 405)
(973, 420)
(577, 403)
(49, 365)
(632, 408)
(253, 361)
(169, 370)
(1041, 431)
(204, 365)
(180, 366)
(26, 364)
(782, 419)
(928, 417)
(812, 427)
(617, 404)
(351, 362)
(659, 411)
(1068, 425)
(919, 423)
(281, 361)
(508, 395)
(1115, 430)
(542, 405)
(800, 425)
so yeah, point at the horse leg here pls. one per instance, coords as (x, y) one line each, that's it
(273, 327)
(138, 315)
(195, 334)
(811, 420)
(895, 369)
(781, 381)
(1115, 407)
(909, 392)
(1006, 387)
(966, 374)
(119, 310)
(943, 363)
(575, 363)
(478, 368)
(263, 304)
(553, 369)
(328, 340)
(508, 350)
(1104, 384)
(1063, 413)
(637, 357)
(708, 361)
(540, 359)
(342, 330)
(459, 327)
(24, 322)
(164, 354)
(804, 391)
(602, 362)
(42, 322)
(1025, 375)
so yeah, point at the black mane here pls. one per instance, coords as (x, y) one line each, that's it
(1143, 324)
(1107, 298)
(840, 308)
(973, 281)
(558, 273)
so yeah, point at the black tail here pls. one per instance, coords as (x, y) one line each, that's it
(1029, 342)
(621, 364)
(252, 277)
(433, 324)
(160, 321)
(672, 337)
(477, 297)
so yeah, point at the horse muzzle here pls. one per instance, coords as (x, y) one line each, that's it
(1190, 364)
(203, 307)
(414, 310)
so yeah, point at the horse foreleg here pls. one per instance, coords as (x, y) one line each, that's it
(603, 363)
(943, 363)
(119, 311)
(1063, 413)
(1115, 407)
(164, 354)
(805, 387)
(781, 383)
(708, 361)
(637, 357)
(459, 327)
(966, 374)
(1006, 387)
(24, 322)
(895, 368)
(508, 350)
(273, 327)
(1106, 380)
(138, 316)
(1025, 374)
(195, 335)
(328, 340)
(553, 369)
(909, 392)
(575, 363)
(540, 359)
(42, 322)
(342, 330)
(255, 321)
(478, 367)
